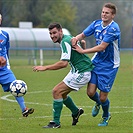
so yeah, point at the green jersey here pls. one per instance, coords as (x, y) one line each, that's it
(78, 62)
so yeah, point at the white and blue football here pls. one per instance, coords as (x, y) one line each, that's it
(18, 88)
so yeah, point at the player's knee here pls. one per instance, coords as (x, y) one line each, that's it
(103, 96)
(90, 93)
(55, 91)
(102, 99)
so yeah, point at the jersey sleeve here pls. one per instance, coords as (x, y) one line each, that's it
(66, 51)
(90, 29)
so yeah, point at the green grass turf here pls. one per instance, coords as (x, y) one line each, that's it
(39, 97)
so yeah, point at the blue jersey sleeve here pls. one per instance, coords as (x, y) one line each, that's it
(90, 29)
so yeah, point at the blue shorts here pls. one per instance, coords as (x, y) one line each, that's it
(6, 78)
(104, 79)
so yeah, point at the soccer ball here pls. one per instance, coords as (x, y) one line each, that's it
(18, 88)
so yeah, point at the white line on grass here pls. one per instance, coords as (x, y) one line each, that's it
(50, 116)
(6, 97)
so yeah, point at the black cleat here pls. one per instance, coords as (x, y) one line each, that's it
(52, 124)
(27, 112)
(75, 118)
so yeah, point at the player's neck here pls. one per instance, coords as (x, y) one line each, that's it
(106, 23)
(61, 38)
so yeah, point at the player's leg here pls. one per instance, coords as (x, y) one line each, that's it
(91, 92)
(76, 112)
(105, 84)
(75, 82)
(10, 77)
(25, 111)
(105, 103)
(68, 102)
(20, 101)
(93, 95)
(58, 92)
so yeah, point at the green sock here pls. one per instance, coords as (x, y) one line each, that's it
(57, 107)
(70, 104)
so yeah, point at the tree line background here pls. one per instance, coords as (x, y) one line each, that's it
(75, 15)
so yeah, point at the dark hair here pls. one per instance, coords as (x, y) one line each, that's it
(111, 6)
(54, 25)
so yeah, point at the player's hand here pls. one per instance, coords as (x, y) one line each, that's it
(38, 68)
(74, 41)
(2, 61)
(78, 49)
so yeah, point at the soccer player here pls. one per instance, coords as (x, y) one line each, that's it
(106, 59)
(6, 74)
(79, 75)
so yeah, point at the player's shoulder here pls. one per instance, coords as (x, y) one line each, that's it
(97, 22)
(114, 26)
(4, 32)
(67, 38)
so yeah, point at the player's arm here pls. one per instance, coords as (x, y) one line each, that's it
(94, 49)
(2, 61)
(55, 66)
(83, 44)
(79, 37)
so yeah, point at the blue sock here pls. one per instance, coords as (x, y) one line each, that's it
(21, 103)
(96, 98)
(105, 107)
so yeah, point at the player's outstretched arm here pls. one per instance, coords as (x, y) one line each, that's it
(94, 49)
(56, 66)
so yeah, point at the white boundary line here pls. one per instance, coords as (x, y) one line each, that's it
(10, 100)
(36, 117)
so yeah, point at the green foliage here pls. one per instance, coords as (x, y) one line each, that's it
(39, 96)
(59, 11)
(75, 15)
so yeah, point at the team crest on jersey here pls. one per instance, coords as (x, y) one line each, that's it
(104, 32)
(1, 40)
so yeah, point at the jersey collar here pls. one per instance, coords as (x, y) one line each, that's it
(107, 25)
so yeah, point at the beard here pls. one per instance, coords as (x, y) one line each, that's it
(57, 41)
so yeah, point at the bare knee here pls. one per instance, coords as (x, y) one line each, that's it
(60, 91)
(91, 90)
(103, 96)
(56, 93)
(90, 93)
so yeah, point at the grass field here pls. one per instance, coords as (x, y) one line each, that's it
(39, 97)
